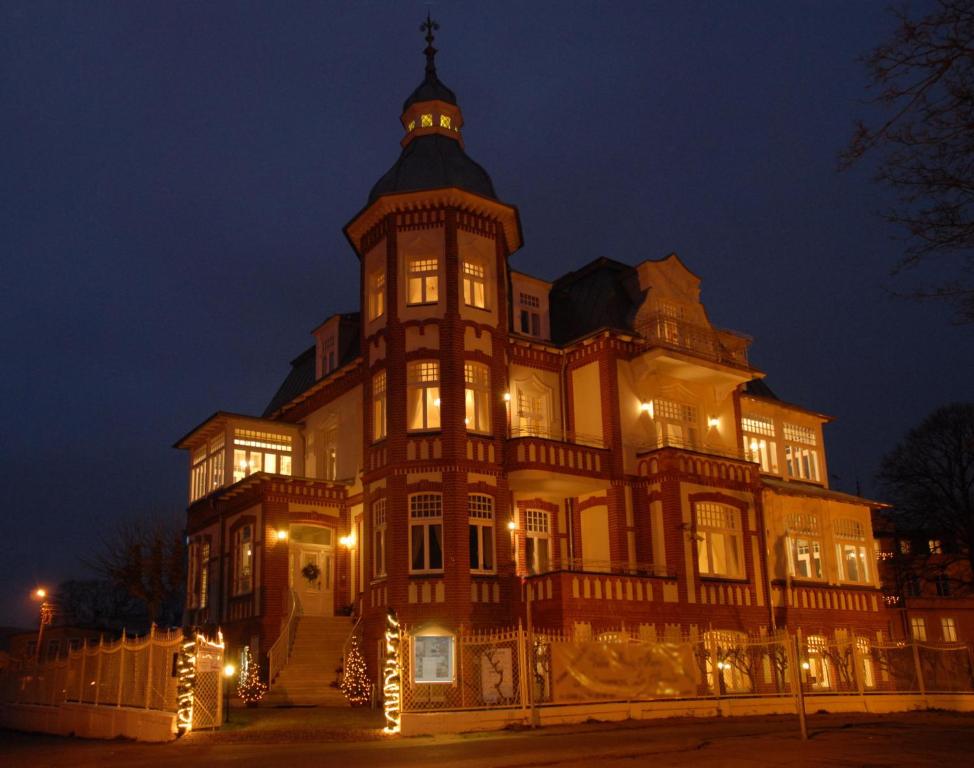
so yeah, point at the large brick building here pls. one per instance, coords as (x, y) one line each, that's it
(475, 439)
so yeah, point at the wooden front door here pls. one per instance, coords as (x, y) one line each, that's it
(313, 578)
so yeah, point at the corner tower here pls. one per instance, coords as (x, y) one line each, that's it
(434, 242)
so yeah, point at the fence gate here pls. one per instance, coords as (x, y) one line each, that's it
(208, 691)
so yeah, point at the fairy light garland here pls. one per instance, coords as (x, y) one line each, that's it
(392, 677)
(185, 685)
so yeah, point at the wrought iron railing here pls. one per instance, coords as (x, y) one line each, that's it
(727, 347)
(558, 435)
(666, 441)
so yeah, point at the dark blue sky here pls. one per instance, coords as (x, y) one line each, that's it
(174, 178)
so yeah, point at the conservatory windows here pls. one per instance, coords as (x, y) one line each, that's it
(801, 456)
(260, 452)
(757, 434)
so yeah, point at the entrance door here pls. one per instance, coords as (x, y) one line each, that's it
(313, 569)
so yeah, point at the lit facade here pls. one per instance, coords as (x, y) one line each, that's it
(476, 444)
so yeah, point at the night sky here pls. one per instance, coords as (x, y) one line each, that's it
(174, 177)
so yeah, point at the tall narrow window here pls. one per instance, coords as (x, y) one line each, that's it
(801, 456)
(804, 546)
(757, 434)
(423, 395)
(330, 451)
(424, 282)
(530, 314)
(480, 512)
(948, 630)
(377, 295)
(850, 550)
(329, 360)
(206, 473)
(537, 547)
(718, 540)
(243, 560)
(426, 533)
(819, 672)
(474, 285)
(918, 628)
(477, 396)
(379, 406)
(379, 529)
(192, 596)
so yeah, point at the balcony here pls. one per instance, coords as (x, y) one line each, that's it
(665, 441)
(719, 346)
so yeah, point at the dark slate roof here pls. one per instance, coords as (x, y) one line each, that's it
(431, 89)
(433, 161)
(300, 377)
(758, 388)
(603, 294)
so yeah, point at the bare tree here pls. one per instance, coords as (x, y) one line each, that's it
(148, 560)
(929, 477)
(924, 77)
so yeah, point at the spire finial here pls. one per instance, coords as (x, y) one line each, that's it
(429, 26)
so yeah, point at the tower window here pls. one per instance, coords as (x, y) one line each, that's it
(426, 121)
(425, 532)
(423, 395)
(445, 121)
(477, 396)
(412, 126)
(474, 285)
(379, 406)
(377, 295)
(480, 511)
(424, 281)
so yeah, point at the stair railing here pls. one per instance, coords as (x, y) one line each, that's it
(280, 652)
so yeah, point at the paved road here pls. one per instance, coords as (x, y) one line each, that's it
(918, 739)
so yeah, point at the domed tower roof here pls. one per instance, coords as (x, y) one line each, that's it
(432, 154)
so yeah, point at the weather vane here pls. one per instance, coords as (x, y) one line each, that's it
(429, 27)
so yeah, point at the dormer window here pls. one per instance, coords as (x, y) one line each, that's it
(801, 457)
(328, 356)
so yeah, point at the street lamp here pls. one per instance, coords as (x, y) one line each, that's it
(46, 616)
(228, 672)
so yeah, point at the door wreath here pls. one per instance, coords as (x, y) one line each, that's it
(311, 572)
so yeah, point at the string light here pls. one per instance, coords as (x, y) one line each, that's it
(392, 676)
(355, 676)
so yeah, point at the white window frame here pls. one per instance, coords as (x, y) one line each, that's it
(477, 397)
(258, 451)
(426, 517)
(850, 547)
(758, 436)
(677, 424)
(379, 528)
(801, 452)
(537, 541)
(379, 406)
(804, 538)
(818, 662)
(423, 395)
(207, 468)
(423, 281)
(474, 274)
(719, 537)
(482, 541)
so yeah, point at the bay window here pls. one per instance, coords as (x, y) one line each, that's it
(379, 537)
(474, 285)
(423, 395)
(804, 546)
(719, 550)
(850, 550)
(423, 281)
(480, 514)
(426, 533)
(477, 396)
(206, 471)
(379, 406)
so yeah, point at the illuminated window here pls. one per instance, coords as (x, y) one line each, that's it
(423, 395)
(412, 125)
(445, 121)
(948, 630)
(426, 121)
(379, 528)
(530, 314)
(756, 432)
(423, 282)
(801, 460)
(850, 550)
(866, 656)
(379, 406)
(676, 424)
(935, 546)
(918, 628)
(243, 560)
(904, 546)
(804, 546)
(477, 396)
(206, 473)
(425, 533)
(819, 672)
(474, 285)
(728, 661)
(260, 452)
(480, 512)
(718, 540)
(377, 295)
(537, 547)
(329, 443)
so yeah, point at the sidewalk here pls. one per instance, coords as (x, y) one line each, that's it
(278, 725)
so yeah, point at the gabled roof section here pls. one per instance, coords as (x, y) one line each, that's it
(603, 294)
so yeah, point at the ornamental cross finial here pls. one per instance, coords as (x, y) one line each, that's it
(429, 27)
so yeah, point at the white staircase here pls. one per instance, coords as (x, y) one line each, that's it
(313, 665)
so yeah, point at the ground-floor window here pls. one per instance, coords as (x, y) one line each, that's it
(948, 630)
(819, 672)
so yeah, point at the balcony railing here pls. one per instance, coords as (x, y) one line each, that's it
(664, 441)
(560, 436)
(720, 346)
(616, 567)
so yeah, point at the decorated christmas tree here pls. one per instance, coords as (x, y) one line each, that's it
(355, 678)
(249, 687)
